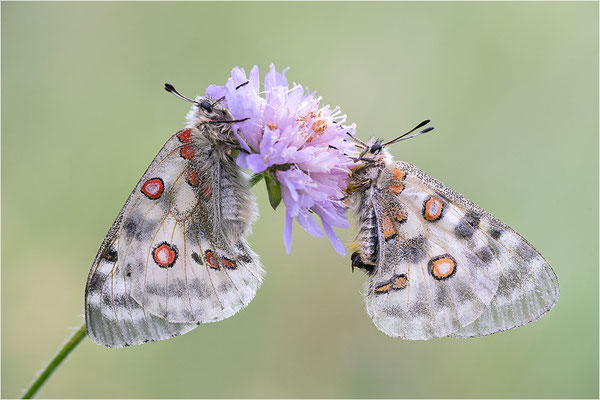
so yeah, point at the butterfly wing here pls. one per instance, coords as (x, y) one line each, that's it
(442, 266)
(527, 289)
(176, 255)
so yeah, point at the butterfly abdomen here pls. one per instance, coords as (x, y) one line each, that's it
(367, 239)
(237, 202)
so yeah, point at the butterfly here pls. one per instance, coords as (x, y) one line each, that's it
(438, 264)
(176, 255)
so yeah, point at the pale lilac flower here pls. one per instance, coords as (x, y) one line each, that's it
(291, 138)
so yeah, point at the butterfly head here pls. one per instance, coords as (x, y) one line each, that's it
(206, 109)
(209, 116)
(375, 152)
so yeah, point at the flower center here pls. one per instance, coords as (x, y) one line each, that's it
(312, 124)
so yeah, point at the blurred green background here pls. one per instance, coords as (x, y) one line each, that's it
(512, 89)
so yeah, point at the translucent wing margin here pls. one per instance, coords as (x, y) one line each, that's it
(527, 290)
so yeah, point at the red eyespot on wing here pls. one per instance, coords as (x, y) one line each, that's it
(397, 177)
(227, 263)
(211, 260)
(398, 174)
(383, 288)
(433, 208)
(187, 152)
(442, 267)
(192, 177)
(399, 282)
(165, 255)
(153, 188)
(388, 228)
(185, 136)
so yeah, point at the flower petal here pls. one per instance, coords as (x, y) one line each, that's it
(287, 232)
(335, 241)
(309, 224)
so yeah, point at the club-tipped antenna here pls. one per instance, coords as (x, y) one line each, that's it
(428, 129)
(403, 136)
(171, 89)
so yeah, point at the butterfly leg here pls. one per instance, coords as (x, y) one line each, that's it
(357, 262)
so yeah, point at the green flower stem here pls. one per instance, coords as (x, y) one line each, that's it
(58, 358)
(76, 339)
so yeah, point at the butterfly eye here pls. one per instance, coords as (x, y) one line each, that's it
(376, 148)
(206, 106)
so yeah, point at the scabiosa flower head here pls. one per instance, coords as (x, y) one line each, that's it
(299, 147)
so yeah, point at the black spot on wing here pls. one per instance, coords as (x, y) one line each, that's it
(110, 255)
(244, 259)
(467, 225)
(412, 249)
(197, 258)
(96, 281)
(464, 294)
(130, 224)
(495, 233)
(485, 254)
(119, 301)
(106, 299)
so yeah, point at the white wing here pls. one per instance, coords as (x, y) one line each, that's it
(179, 253)
(467, 273)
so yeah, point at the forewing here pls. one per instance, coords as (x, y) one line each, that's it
(176, 261)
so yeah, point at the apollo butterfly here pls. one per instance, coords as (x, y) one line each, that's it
(177, 256)
(437, 264)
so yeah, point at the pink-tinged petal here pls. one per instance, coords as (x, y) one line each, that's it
(335, 241)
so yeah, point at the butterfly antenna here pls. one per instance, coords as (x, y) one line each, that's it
(171, 89)
(403, 136)
(242, 84)
(358, 141)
